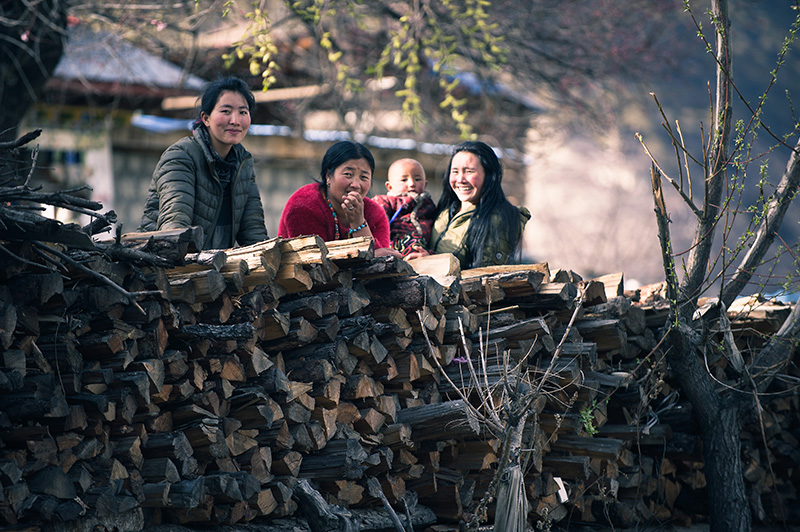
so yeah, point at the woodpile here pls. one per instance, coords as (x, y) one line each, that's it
(246, 384)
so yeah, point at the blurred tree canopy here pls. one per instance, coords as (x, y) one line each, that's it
(452, 67)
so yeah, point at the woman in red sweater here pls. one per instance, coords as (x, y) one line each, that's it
(337, 207)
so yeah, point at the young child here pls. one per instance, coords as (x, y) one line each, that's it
(410, 209)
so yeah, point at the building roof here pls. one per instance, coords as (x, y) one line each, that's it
(100, 57)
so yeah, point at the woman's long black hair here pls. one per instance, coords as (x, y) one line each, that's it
(493, 202)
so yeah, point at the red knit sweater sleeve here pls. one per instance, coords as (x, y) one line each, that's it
(378, 223)
(306, 213)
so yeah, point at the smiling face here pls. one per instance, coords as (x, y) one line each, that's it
(353, 175)
(466, 177)
(228, 122)
(405, 175)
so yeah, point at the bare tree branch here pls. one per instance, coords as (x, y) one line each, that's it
(776, 210)
(773, 357)
(715, 179)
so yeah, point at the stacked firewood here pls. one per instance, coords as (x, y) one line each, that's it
(209, 389)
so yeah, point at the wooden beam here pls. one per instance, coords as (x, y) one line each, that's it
(175, 103)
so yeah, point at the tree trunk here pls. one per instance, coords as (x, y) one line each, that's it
(727, 501)
(720, 420)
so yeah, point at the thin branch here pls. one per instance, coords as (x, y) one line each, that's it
(27, 262)
(786, 191)
(697, 265)
(474, 411)
(102, 278)
(687, 199)
(773, 357)
(557, 353)
(21, 141)
(686, 157)
(724, 67)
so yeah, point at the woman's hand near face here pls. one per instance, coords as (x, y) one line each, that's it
(353, 207)
(347, 186)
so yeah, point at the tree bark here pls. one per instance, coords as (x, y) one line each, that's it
(728, 507)
(720, 421)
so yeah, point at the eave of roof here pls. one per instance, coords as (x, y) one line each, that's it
(110, 61)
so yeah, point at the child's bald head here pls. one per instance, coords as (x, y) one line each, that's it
(405, 175)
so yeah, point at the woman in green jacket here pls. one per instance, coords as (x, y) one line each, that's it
(475, 221)
(208, 179)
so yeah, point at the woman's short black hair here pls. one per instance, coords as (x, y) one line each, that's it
(341, 152)
(215, 89)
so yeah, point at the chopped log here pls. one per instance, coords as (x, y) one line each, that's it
(520, 282)
(172, 445)
(439, 421)
(487, 271)
(334, 352)
(202, 286)
(294, 278)
(156, 495)
(271, 325)
(255, 361)
(397, 435)
(321, 516)
(369, 421)
(241, 441)
(351, 251)
(160, 469)
(570, 467)
(326, 418)
(607, 334)
(51, 480)
(237, 331)
(472, 455)
(172, 244)
(523, 330)
(328, 392)
(287, 463)
(309, 249)
(263, 260)
(235, 272)
(187, 493)
(382, 268)
(481, 290)
(406, 367)
(344, 492)
(264, 502)
(408, 294)
(614, 284)
(340, 459)
(445, 268)
(35, 289)
(394, 316)
(210, 258)
(608, 448)
(360, 386)
(207, 439)
(594, 293)
(443, 495)
(309, 307)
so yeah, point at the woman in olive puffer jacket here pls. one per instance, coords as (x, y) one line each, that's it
(208, 179)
